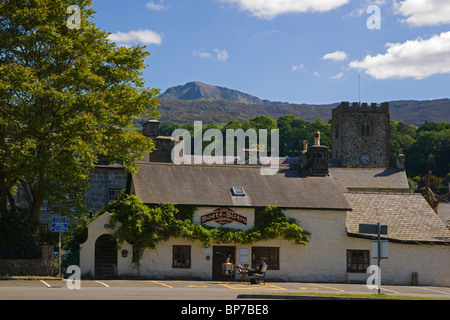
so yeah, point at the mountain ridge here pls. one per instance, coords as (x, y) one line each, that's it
(199, 101)
(196, 90)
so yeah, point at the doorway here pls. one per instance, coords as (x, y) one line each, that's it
(220, 254)
(105, 257)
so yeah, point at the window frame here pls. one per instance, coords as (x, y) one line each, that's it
(115, 192)
(272, 258)
(179, 254)
(365, 128)
(358, 263)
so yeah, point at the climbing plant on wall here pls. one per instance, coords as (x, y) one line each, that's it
(145, 226)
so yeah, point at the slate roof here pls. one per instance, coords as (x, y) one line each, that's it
(443, 210)
(408, 216)
(371, 179)
(210, 185)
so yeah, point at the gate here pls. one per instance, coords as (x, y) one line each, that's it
(105, 257)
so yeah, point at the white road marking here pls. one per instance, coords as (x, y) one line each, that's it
(433, 290)
(48, 286)
(103, 284)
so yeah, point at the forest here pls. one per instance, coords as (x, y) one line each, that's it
(426, 147)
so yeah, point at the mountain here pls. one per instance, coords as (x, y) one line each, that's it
(203, 102)
(201, 91)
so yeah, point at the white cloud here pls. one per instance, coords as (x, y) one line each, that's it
(269, 9)
(335, 56)
(299, 67)
(220, 55)
(156, 6)
(424, 12)
(417, 59)
(202, 54)
(338, 76)
(362, 8)
(130, 38)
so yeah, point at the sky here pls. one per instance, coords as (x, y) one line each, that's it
(297, 51)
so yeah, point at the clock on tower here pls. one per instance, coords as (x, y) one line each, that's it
(364, 159)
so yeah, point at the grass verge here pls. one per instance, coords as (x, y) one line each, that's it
(355, 295)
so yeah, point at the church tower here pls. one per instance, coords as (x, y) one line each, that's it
(360, 135)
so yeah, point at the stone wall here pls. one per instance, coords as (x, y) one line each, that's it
(103, 179)
(348, 144)
(29, 267)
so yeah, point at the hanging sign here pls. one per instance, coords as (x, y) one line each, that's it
(223, 216)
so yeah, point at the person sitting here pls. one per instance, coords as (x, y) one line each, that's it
(228, 266)
(258, 268)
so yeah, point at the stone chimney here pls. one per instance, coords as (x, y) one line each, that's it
(401, 161)
(305, 146)
(163, 145)
(315, 158)
(249, 156)
(151, 128)
(317, 138)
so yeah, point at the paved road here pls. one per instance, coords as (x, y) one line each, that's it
(186, 290)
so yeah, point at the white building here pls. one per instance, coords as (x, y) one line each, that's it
(330, 207)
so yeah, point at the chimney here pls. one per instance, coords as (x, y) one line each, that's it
(401, 161)
(249, 156)
(305, 146)
(315, 158)
(163, 145)
(151, 128)
(317, 138)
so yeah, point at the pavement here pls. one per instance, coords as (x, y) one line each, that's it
(47, 288)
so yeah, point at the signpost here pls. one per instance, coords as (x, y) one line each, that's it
(381, 246)
(59, 225)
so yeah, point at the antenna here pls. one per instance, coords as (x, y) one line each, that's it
(359, 90)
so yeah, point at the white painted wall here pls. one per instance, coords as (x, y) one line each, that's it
(323, 259)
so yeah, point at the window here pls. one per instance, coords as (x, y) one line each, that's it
(259, 217)
(113, 194)
(357, 260)
(272, 255)
(365, 129)
(238, 191)
(181, 256)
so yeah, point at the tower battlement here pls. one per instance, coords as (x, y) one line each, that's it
(345, 106)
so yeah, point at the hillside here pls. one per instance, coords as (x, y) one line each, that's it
(199, 101)
(201, 91)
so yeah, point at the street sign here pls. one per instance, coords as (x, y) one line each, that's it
(59, 224)
(60, 227)
(383, 248)
(372, 228)
(58, 219)
(379, 248)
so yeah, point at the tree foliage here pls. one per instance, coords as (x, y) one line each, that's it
(67, 96)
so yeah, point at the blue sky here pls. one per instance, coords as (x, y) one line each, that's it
(298, 51)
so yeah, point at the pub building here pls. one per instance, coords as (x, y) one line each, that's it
(329, 202)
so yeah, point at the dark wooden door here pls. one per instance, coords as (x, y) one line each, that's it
(220, 254)
(105, 257)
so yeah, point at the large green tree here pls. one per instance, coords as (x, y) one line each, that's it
(67, 96)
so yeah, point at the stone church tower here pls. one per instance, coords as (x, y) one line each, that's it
(360, 135)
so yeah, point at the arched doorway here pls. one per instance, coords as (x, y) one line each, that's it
(105, 257)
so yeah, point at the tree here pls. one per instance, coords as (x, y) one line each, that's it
(67, 96)
(429, 194)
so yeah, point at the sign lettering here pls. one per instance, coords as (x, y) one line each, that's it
(223, 216)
